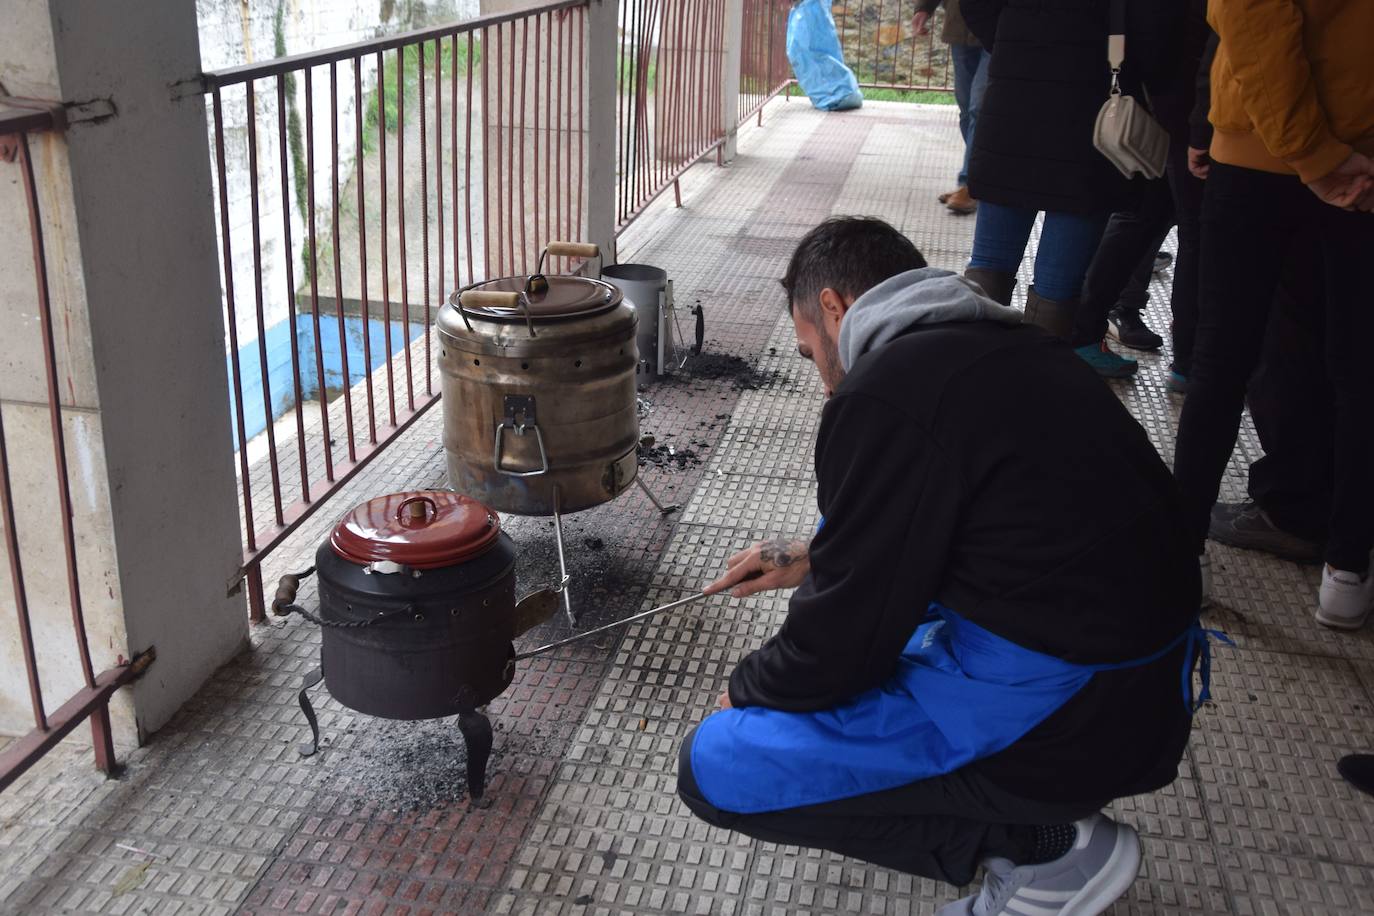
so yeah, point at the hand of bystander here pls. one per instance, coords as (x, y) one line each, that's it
(1348, 186)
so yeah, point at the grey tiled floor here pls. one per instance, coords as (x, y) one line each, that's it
(1257, 823)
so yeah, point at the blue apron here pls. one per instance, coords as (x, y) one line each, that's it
(960, 693)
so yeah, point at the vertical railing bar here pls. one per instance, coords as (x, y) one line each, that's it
(568, 231)
(59, 439)
(21, 598)
(232, 322)
(360, 162)
(424, 202)
(453, 160)
(583, 99)
(338, 266)
(539, 238)
(315, 276)
(438, 186)
(561, 131)
(510, 162)
(290, 252)
(385, 236)
(259, 312)
(486, 154)
(524, 265)
(622, 122)
(401, 211)
(467, 166)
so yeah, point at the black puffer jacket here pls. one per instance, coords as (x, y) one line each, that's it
(1046, 82)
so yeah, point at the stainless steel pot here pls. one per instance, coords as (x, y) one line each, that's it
(538, 382)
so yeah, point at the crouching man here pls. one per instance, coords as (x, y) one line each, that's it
(994, 630)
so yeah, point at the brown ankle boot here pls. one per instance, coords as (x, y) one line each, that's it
(996, 284)
(1054, 316)
(961, 202)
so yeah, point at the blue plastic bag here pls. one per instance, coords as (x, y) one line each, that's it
(813, 48)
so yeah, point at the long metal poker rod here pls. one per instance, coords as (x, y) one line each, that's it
(610, 626)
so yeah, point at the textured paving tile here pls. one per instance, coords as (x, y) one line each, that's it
(584, 816)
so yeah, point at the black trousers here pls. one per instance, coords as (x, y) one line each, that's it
(1292, 404)
(1251, 220)
(937, 828)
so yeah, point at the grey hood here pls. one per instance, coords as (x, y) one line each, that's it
(925, 296)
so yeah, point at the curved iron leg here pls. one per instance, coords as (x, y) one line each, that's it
(562, 560)
(311, 679)
(662, 509)
(477, 735)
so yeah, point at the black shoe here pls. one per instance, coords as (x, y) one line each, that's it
(1247, 526)
(1126, 327)
(1358, 770)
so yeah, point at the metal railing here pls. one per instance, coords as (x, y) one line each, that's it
(669, 115)
(884, 51)
(467, 155)
(19, 119)
(764, 69)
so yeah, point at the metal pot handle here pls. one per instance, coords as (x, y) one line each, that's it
(401, 513)
(521, 407)
(587, 250)
(479, 298)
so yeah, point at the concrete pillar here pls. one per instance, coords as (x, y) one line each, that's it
(730, 78)
(128, 214)
(602, 64)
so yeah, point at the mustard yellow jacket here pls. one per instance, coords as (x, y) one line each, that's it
(1292, 84)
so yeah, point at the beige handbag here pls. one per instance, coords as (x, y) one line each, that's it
(1126, 133)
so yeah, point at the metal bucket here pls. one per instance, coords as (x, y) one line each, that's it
(539, 393)
(650, 291)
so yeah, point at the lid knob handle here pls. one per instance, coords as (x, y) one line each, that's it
(413, 509)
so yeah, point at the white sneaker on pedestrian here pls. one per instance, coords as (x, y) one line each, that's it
(1345, 599)
(1085, 881)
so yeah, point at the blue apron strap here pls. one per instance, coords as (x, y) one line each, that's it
(1200, 649)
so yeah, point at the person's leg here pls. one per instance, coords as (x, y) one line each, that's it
(964, 60)
(975, 103)
(939, 828)
(1068, 242)
(999, 243)
(1187, 194)
(1128, 240)
(1291, 403)
(1247, 222)
(1347, 239)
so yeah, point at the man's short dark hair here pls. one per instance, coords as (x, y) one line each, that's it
(849, 254)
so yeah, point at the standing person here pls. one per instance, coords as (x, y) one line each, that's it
(1133, 237)
(1033, 151)
(1293, 111)
(976, 658)
(970, 62)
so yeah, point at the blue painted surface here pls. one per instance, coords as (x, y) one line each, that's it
(279, 370)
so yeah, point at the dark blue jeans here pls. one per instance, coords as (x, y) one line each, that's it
(970, 81)
(1068, 242)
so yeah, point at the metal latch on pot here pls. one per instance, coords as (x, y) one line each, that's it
(519, 410)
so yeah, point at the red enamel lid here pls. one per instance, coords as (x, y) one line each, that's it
(422, 529)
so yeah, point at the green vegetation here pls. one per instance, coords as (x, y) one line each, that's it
(627, 75)
(391, 88)
(295, 142)
(929, 96)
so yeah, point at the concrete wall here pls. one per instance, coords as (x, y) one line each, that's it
(131, 238)
(235, 32)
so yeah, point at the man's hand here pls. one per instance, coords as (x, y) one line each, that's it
(779, 563)
(920, 23)
(1346, 185)
(724, 700)
(1199, 162)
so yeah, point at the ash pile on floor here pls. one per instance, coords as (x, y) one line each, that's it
(668, 457)
(735, 372)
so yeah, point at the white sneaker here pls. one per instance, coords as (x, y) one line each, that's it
(1345, 599)
(1085, 881)
(1204, 562)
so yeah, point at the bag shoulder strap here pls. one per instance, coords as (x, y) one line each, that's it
(1116, 40)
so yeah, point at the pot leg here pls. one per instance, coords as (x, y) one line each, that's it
(662, 509)
(311, 679)
(477, 735)
(562, 561)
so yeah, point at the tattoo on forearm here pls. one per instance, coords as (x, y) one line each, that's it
(782, 552)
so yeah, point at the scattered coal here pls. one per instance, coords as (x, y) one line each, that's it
(734, 371)
(669, 457)
(593, 543)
